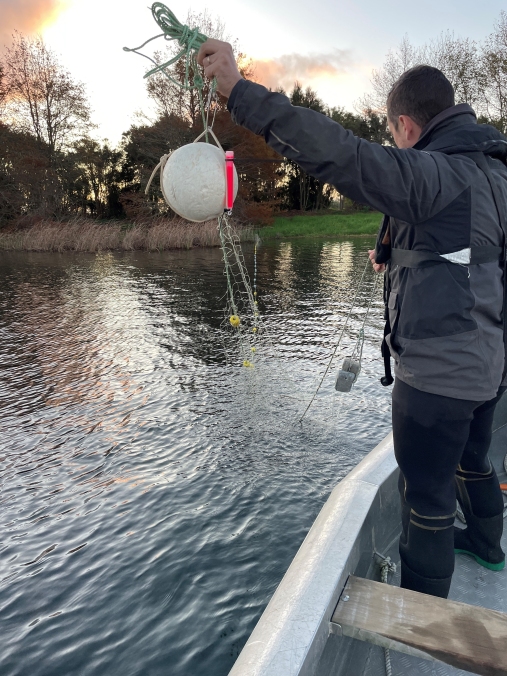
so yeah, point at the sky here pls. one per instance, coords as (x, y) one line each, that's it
(331, 46)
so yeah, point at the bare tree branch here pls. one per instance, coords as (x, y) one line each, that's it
(42, 97)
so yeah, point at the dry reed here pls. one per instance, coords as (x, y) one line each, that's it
(92, 236)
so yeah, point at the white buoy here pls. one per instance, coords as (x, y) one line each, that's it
(194, 182)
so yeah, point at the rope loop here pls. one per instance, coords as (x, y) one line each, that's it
(198, 81)
(209, 130)
(161, 166)
(183, 39)
(189, 39)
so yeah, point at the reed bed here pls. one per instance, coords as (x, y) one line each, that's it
(93, 236)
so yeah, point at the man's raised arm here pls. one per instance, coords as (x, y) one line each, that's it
(401, 183)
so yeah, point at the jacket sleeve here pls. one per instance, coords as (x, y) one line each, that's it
(404, 183)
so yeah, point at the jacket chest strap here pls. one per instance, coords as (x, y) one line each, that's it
(406, 258)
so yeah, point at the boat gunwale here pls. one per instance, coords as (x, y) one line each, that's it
(292, 632)
(289, 639)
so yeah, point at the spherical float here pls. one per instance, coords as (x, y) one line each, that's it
(194, 182)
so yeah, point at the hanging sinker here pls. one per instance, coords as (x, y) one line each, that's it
(347, 375)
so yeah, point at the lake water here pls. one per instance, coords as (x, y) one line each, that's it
(153, 495)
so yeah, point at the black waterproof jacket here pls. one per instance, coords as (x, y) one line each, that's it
(446, 319)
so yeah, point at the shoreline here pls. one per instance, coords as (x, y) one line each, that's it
(327, 224)
(85, 236)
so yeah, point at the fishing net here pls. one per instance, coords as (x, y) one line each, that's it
(268, 382)
(242, 326)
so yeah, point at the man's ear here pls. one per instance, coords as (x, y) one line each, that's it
(411, 130)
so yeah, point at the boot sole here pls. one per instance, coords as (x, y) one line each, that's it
(485, 564)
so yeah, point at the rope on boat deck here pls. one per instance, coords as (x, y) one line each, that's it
(386, 566)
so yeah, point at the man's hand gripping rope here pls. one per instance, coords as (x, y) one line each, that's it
(217, 59)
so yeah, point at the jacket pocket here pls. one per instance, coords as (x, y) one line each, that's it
(392, 302)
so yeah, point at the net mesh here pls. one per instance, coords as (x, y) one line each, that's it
(275, 384)
(242, 324)
(247, 339)
(268, 380)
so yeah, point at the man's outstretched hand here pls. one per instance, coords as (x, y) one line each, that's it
(218, 61)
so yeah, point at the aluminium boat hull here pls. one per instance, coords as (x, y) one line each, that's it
(360, 517)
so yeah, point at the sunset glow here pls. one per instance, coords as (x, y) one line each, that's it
(332, 48)
(28, 16)
(334, 75)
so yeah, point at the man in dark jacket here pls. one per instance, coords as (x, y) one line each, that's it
(444, 192)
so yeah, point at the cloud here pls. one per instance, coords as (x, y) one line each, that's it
(26, 16)
(285, 70)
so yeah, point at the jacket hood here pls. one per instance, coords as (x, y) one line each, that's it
(455, 130)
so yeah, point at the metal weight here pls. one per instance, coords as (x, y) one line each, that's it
(347, 375)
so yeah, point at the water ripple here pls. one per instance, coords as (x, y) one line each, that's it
(152, 495)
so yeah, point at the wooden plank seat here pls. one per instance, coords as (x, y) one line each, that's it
(464, 636)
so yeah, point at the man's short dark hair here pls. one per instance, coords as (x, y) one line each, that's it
(421, 93)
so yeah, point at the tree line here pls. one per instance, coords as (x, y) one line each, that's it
(477, 71)
(51, 166)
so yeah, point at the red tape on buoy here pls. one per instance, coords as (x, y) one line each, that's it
(229, 176)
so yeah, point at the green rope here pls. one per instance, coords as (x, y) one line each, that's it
(190, 40)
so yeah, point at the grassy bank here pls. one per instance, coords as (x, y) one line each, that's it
(92, 236)
(161, 234)
(356, 223)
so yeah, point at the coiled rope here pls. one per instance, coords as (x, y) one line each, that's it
(189, 39)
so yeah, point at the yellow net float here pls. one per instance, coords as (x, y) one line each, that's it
(235, 321)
